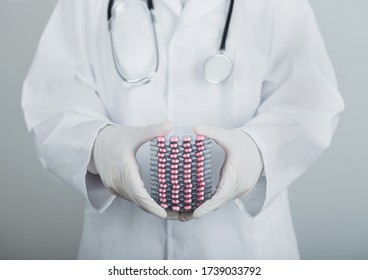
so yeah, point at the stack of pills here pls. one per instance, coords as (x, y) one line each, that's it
(181, 172)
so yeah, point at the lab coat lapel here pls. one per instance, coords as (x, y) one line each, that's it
(193, 10)
(173, 5)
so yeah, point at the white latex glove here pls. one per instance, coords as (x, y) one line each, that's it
(114, 156)
(241, 170)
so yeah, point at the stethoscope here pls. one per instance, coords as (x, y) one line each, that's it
(217, 68)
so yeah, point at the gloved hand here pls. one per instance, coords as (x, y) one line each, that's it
(241, 170)
(114, 159)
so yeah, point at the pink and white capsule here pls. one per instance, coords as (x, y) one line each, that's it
(188, 207)
(199, 144)
(174, 177)
(201, 138)
(162, 160)
(175, 191)
(187, 145)
(174, 156)
(200, 194)
(200, 169)
(174, 171)
(164, 205)
(200, 158)
(161, 145)
(202, 184)
(162, 190)
(188, 160)
(175, 161)
(160, 155)
(186, 155)
(173, 145)
(200, 149)
(161, 170)
(174, 166)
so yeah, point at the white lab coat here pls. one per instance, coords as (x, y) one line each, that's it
(282, 92)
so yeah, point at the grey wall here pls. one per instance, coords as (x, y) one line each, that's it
(41, 218)
(330, 202)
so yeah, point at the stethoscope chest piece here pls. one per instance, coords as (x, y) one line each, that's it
(218, 68)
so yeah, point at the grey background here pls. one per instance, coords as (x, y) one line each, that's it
(41, 218)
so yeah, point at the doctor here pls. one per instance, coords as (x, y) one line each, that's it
(273, 114)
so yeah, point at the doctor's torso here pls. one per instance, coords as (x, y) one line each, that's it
(186, 39)
(282, 92)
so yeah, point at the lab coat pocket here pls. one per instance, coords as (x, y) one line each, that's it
(241, 207)
(252, 203)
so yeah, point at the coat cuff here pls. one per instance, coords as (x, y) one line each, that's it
(255, 201)
(67, 155)
(97, 194)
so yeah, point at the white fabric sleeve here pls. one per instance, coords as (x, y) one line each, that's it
(60, 102)
(300, 104)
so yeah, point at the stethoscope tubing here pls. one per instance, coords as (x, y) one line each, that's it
(227, 26)
(144, 79)
(227, 62)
